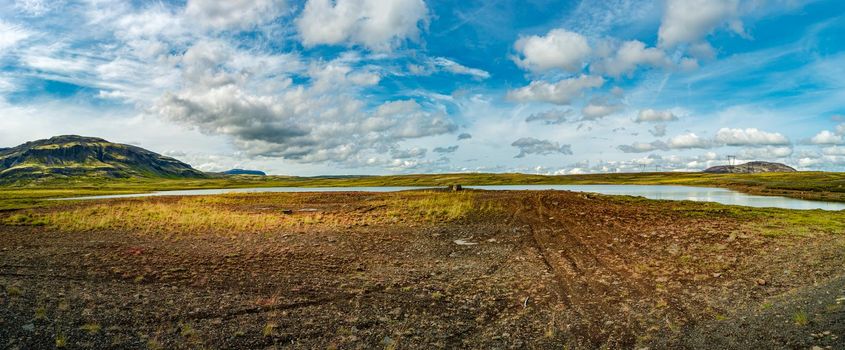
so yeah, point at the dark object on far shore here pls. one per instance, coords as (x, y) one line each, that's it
(244, 172)
(455, 188)
(751, 168)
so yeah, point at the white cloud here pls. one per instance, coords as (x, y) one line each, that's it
(238, 14)
(690, 21)
(559, 49)
(457, 68)
(689, 141)
(599, 108)
(834, 151)
(768, 152)
(11, 35)
(629, 56)
(653, 115)
(561, 93)
(377, 24)
(827, 137)
(750, 137)
(35, 7)
(642, 147)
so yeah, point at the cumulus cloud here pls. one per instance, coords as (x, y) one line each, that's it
(629, 56)
(443, 150)
(554, 116)
(558, 49)
(689, 141)
(321, 122)
(376, 24)
(652, 115)
(642, 147)
(530, 145)
(599, 108)
(689, 21)
(560, 93)
(750, 137)
(239, 14)
(464, 136)
(827, 137)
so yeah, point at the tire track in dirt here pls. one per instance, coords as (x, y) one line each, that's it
(592, 275)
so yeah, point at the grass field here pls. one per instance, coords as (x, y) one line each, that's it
(807, 185)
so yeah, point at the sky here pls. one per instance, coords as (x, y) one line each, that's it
(330, 87)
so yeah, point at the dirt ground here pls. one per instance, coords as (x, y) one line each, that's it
(548, 270)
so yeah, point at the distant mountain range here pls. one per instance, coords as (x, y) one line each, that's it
(750, 168)
(244, 172)
(78, 156)
(72, 156)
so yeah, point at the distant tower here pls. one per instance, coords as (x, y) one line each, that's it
(731, 160)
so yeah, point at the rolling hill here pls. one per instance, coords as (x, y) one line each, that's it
(77, 156)
(751, 168)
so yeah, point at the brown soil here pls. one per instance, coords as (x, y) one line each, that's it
(552, 270)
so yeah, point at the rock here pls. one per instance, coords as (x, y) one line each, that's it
(455, 188)
(760, 282)
(287, 211)
(464, 241)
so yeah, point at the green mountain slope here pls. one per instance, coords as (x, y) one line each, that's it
(78, 156)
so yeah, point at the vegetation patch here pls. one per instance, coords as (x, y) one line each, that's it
(777, 222)
(249, 213)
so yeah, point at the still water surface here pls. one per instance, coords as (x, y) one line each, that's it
(701, 194)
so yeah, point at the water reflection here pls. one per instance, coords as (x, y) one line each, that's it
(701, 194)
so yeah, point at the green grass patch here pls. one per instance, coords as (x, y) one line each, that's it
(778, 222)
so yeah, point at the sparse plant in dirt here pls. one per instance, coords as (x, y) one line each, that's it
(14, 291)
(61, 341)
(269, 330)
(91, 328)
(801, 318)
(153, 344)
(40, 313)
(185, 330)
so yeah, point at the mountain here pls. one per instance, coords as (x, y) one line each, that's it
(78, 156)
(751, 168)
(244, 172)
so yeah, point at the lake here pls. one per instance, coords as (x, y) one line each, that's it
(700, 194)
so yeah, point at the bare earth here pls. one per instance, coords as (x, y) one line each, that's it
(548, 270)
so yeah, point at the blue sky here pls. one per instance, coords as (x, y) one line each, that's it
(412, 86)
